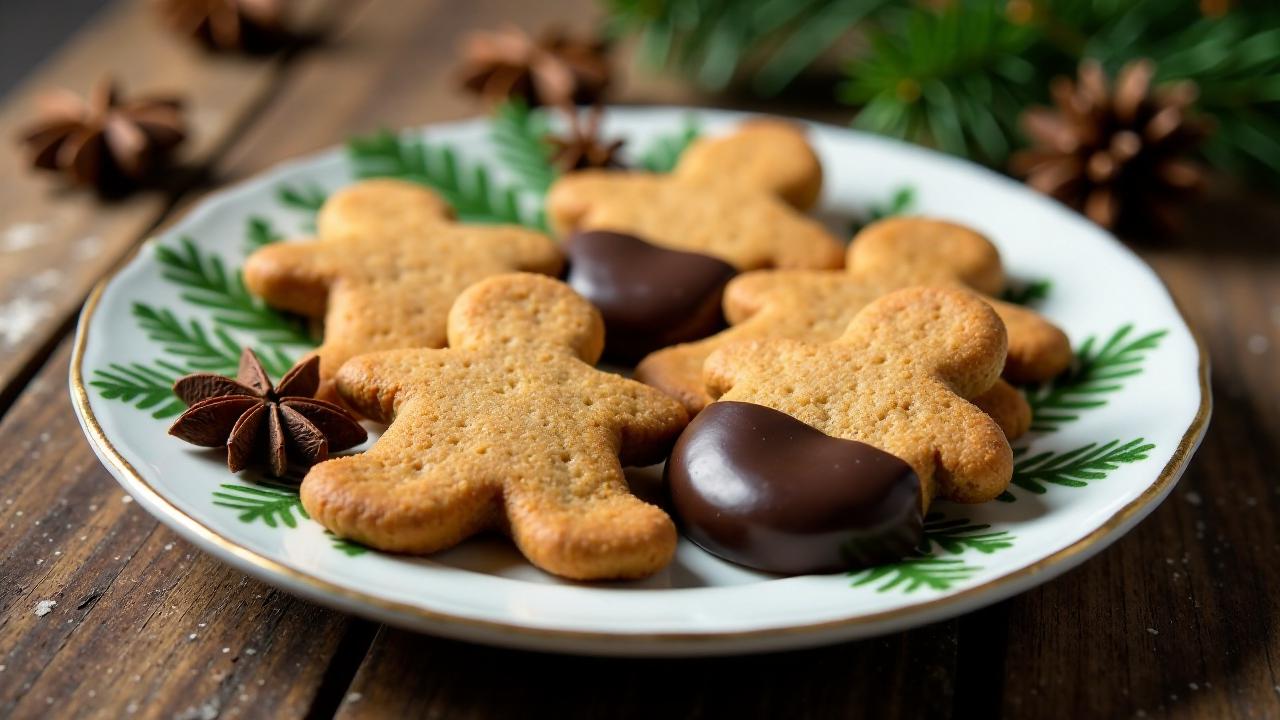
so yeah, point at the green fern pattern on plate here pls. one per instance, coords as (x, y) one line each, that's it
(520, 136)
(1095, 375)
(271, 504)
(930, 568)
(1077, 467)
(143, 386)
(664, 152)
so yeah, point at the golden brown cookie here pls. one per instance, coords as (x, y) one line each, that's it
(511, 429)
(896, 380)
(734, 197)
(389, 262)
(817, 305)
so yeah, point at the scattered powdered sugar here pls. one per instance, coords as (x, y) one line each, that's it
(19, 317)
(86, 247)
(126, 499)
(44, 281)
(1153, 631)
(354, 697)
(208, 711)
(1192, 497)
(1257, 343)
(21, 236)
(44, 607)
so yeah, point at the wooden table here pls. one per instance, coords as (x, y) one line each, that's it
(1179, 618)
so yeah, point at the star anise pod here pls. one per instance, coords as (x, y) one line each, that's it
(106, 142)
(583, 147)
(555, 69)
(227, 25)
(270, 427)
(1114, 152)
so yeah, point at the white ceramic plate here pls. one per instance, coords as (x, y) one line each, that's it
(1147, 407)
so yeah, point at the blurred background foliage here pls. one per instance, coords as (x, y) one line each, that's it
(958, 75)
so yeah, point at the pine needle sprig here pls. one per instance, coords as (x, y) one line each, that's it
(1097, 374)
(520, 135)
(200, 349)
(145, 387)
(954, 79)
(718, 41)
(272, 504)
(259, 232)
(346, 546)
(664, 151)
(308, 198)
(207, 283)
(1028, 293)
(1075, 468)
(470, 191)
(958, 534)
(911, 574)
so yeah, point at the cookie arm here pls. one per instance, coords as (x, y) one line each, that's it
(375, 384)
(1038, 349)
(648, 420)
(293, 276)
(974, 462)
(521, 249)
(732, 363)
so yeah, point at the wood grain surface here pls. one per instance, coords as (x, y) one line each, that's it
(1177, 619)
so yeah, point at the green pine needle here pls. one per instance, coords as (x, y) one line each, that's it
(1027, 293)
(1075, 468)
(469, 190)
(259, 233)
(200, 349)
(309, 198)
(953, 79)
(145, 387)
(664, 152)
(346, 546)
(914, 573)
(957, 535)
(272, 504)
(1096, 375)
(520, 136)
(902, 201)
(205, 282)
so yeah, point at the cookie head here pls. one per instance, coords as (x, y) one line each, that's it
(499, 313)
(903, 251)
(769, 155)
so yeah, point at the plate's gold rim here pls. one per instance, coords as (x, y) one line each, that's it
(135, 482)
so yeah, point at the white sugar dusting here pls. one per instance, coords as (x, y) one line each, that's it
(19, 317)
(1257, 344)
(21, 236)
(86, 247)
(44, 607)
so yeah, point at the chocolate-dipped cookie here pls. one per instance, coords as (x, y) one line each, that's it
(649, 296)
(759, 488)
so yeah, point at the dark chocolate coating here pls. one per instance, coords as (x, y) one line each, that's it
(762, 489)
(650, 297)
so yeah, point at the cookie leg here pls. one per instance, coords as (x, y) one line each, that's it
(395, 504)
(608, 535)
(1006, 405)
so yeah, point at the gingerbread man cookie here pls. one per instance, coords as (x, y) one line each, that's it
(737, 198)
(897, 380)
(511, 429)
(389, 262)
(886, 256)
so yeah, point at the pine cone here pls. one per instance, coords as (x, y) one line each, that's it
(249, 26)
(106, 143)
(1114, 153)
(554, 70)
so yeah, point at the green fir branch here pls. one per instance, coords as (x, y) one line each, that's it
(469, 190)
(1095, 375)
(200, 349)
(308, 198)
(520, 136)
(272, 504)
(957, 535)
(1075, 468)
(346, 546)
(911, 574)
(259, 233)
(902, 201)
(207, 283)
(955, 79)
(664, 151)
(1028, 293)
(145, 387)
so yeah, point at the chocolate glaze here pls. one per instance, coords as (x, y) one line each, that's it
(762, 489)
(650, 297)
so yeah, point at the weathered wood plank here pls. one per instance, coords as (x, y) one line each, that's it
(55, 244)
(144, 625)
(407, 675)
